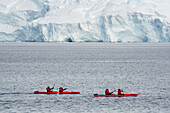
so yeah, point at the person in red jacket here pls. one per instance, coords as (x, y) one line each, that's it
(49, 89)
(119, 92)
(61, 89)
(107, 92)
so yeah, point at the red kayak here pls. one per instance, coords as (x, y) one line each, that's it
(67, 92)
(116, 95)
(53, 92)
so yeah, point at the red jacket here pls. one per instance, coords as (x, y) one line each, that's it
(107, 92)
(119, 92)
(61, 89)
(48, 89)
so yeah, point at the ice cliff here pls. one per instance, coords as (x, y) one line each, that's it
(85, 20)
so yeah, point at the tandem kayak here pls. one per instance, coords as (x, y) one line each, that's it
(53, 92)
(116, 95)
(68, 92)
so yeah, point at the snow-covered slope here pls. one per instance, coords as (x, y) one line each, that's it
(85, 20)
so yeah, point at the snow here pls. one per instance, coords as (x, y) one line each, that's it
(120, 20)
(20, 5)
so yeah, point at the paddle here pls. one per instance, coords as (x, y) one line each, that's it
(53, 87)
(114, 91)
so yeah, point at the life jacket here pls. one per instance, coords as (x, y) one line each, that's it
(119, 92)
(107, 92)
(48, 89)
(61, 89)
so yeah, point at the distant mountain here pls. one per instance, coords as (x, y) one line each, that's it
(85, 20)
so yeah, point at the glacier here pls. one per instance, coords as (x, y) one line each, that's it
(85, 20)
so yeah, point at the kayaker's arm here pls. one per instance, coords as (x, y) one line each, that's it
(52, 88)
(64, 88)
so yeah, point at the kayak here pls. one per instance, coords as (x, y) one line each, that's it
(53, 92)
(116, 95)
(67, 92)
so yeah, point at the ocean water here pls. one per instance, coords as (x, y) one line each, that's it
(90, 68)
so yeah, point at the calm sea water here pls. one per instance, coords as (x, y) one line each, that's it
(86, 67)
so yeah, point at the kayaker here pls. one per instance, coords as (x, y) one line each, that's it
(107, 92)
(61, 89)
(49, 89)
(119, 92)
